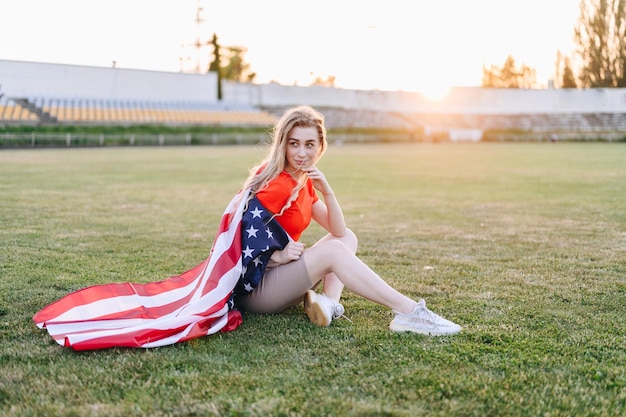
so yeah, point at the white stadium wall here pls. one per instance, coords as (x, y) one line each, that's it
(31, 79)
(460, 100)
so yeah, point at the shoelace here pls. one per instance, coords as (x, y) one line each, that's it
(426, 314)
(338, 311)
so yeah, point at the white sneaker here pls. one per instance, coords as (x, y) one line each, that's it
(320, 309)
(422, 320)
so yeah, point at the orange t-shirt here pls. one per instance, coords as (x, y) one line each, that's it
(298, 216)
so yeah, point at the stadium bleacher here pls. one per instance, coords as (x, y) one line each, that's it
(49, 94)
(59, 110)
(531, 122)
(584, 122)
(12, 112)
(87, 110)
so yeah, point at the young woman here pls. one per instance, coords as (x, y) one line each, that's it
(289, 185)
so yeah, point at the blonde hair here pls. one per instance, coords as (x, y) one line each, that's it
(276, 159)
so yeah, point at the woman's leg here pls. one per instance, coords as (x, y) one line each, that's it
(285, 285)
(281, 287)
(334, 260)
(333, 287)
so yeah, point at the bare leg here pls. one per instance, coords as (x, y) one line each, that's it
(333, 258)
(333, 287)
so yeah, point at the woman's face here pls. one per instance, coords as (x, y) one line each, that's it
(303, 146)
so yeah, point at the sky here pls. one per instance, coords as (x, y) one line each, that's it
(426, 46)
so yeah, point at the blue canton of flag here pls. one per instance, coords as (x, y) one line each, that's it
(261, 235)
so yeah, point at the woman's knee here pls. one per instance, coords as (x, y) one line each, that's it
(323, 257)
(350, 240)
(325, 252)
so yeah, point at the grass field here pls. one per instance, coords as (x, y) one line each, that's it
(522, 244)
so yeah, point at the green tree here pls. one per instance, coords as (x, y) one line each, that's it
(216, 66)
(329, 81)
(600, 37)
(565, 77)
(509, 75)
(237, 69)
(569, 79)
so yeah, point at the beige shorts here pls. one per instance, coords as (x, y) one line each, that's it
(281, 287)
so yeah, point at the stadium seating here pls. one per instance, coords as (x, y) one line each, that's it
(92, 111)
(12, 112)
(65, 110)
(48, 94)
(544, 122)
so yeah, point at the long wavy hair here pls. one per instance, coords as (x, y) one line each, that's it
(275, 161)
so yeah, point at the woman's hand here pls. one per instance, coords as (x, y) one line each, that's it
(328, 212)
(291, 252)
(319, 180)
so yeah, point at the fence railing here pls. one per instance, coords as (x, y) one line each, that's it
(69, 140)
(56, 140)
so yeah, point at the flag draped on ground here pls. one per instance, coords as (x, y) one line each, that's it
(195, 303)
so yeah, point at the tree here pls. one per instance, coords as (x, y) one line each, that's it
(329, 81)
(509, 76)
(565, 77)
(569, 79)
(237, 69)
(216, 66)
(600, 37)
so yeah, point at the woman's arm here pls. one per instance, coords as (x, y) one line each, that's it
(291, 252)
(327, 213)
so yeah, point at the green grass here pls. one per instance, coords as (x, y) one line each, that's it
(525, 246)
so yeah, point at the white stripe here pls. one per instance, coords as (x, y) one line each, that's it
(224, 288)
(95, 325)
(215, 327)
(94, 310)
(81, 330)
(156, 325)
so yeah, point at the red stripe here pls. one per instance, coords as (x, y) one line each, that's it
(200, 328)
(132, 339)
(105, 291)
(100, 292)
(227, 261)
(200, 325)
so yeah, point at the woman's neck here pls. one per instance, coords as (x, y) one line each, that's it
(296, 174)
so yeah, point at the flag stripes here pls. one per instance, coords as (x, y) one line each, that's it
(183, 307)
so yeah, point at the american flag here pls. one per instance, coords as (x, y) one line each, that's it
(193, 304)
(261, 236)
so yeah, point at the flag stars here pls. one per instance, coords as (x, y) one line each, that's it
(259, 234)
(256, 213)
(247, 252)
(252, 231)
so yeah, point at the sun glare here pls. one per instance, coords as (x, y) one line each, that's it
(436, 92)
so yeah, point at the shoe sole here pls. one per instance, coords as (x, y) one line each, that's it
(397, 327)
(314, 310)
